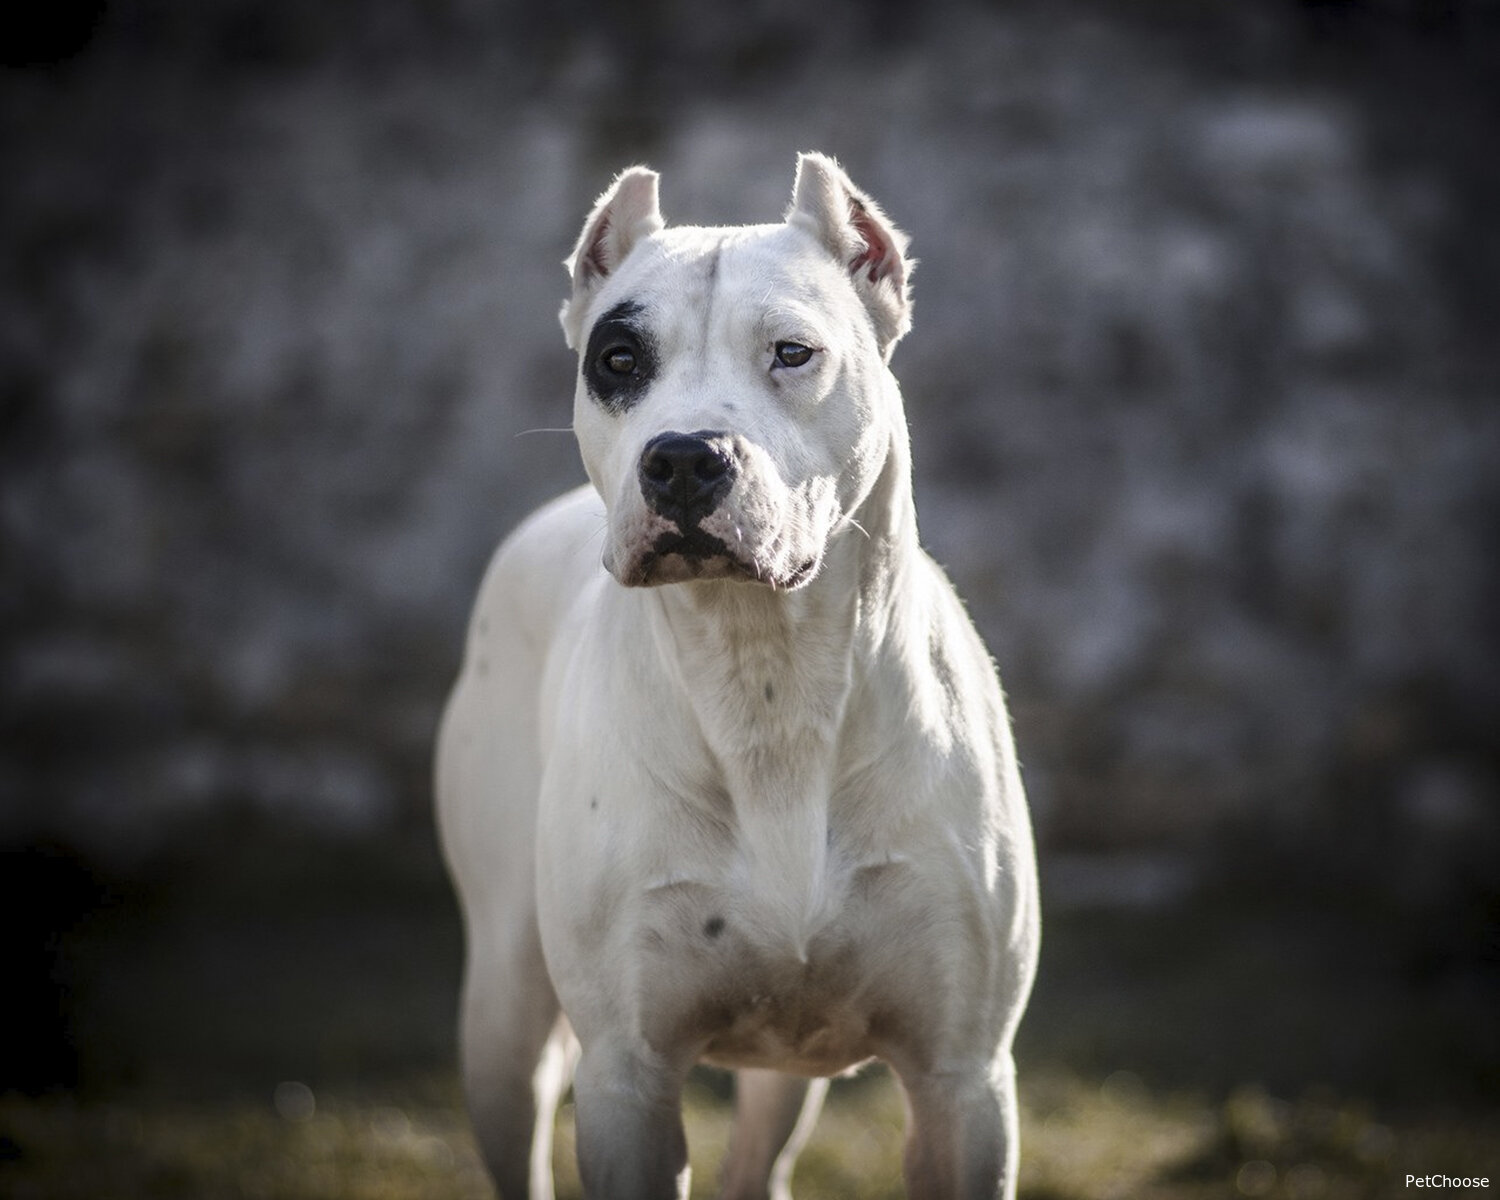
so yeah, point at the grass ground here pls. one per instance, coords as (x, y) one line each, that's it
(273, 1019)
(1081, 1141)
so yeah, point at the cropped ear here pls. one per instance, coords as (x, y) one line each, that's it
(861, 237)
(627, 212)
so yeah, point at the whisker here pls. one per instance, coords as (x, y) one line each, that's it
(526, 432)
(739, 537)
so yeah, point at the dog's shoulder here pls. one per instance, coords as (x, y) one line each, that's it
(550, 557)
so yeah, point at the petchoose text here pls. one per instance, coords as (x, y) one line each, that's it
(1453, 1181)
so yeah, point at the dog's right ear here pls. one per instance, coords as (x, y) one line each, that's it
(851, 226)
(627, 212)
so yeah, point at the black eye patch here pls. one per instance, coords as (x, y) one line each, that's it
(620, 360)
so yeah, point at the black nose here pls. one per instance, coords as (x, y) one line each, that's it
(685, 475)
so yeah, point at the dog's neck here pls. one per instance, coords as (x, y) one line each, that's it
(760, 652)
(770, 675)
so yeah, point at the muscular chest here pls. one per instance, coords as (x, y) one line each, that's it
(718, 972)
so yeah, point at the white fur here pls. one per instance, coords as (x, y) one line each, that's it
(760, 810)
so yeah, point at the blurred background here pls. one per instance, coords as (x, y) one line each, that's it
(1203, 387)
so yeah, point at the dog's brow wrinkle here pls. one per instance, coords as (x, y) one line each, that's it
(711, 289)
(624, 311)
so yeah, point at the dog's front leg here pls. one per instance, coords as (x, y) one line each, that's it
(961, 1138)
(631, 1144)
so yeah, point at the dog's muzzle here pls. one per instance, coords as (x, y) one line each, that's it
(693, 529)
(685, 476)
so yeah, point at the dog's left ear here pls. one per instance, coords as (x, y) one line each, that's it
(859, 235)
(627, 212)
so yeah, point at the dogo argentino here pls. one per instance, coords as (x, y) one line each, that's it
(744, 794)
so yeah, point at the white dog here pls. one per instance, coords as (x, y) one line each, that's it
(744, 794)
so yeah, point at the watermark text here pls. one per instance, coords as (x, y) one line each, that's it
(1447, 1181)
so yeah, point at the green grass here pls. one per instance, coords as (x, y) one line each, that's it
(1234, 1046)
(1081, 1141)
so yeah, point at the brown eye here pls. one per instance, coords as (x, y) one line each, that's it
(793, 354)
(619, 361)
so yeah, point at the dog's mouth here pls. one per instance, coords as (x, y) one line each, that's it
(679, 556)
(693, 545)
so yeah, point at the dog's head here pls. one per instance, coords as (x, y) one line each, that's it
(733, 406)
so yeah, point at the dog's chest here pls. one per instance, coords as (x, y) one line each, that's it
(730, 976)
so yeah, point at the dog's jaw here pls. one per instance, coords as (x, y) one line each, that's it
(762, 533)
(700, 557)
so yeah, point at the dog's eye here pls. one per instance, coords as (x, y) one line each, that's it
(793, 354)
(618, 360)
